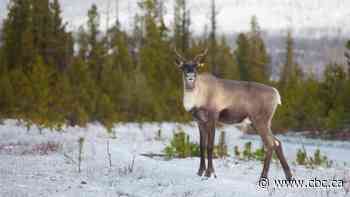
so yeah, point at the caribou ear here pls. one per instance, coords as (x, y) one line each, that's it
(178, 63)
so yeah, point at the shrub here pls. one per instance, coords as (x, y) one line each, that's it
(247, 152)
(301, 157)
(250, 154)
(237, 152)
(317, 160)
(180, 146)
(259, 154)
(221, 149)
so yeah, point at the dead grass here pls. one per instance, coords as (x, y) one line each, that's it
(45, 148)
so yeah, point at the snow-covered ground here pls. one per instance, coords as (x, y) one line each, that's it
(26, 172)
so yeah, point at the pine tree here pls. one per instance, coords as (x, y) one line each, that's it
(96, 50)
(311, 115)
(62, 98)
(333, 85)
(7, 94)
(83, 92)
(42, 29)
(226, 60)
(154, 61)
(18, 39)
(40, 80)
(121, 58)
(83, 44)
(333, 96)
(22, 108)
(213, 41)
(61, 42)
(242, 57)
(182, 26)
(288, 69)
(258, 57)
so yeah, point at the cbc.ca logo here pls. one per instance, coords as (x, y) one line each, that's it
(263, 183)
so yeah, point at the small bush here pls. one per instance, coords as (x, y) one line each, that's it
(180, 146)
(221, 149)
(259, 154)
(317, 160)
(301, 157)
(249, 154)
(237, 152)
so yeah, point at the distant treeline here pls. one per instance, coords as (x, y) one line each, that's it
(50, 77)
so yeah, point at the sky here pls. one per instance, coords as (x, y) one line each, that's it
(332, 16)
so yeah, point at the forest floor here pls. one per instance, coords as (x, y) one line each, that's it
(46, 164)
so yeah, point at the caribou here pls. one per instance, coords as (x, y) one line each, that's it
(213, 100)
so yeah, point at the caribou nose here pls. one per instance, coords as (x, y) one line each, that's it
(190, 77)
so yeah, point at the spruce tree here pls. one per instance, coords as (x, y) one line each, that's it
(333, 91)
(213, 40)
(61, 42)
(7, 94)
(258, 57)
(83, 92)
(242, 57)
(17, 35)
(155, 61)
(182, 25)
(226, 60)
(289, 66)
(96, 50)
(40, 80)
(21, 83)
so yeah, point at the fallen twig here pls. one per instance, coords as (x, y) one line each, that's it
(151, 155)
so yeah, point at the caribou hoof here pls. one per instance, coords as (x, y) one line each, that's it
(200, 172)
(290, 177)
(210, 172)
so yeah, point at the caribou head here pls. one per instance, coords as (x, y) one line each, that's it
(190, 68)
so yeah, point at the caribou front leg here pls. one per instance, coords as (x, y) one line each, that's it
(210, 147)
(201, 116)
(203, 146)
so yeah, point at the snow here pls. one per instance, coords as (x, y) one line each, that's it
(56, 173)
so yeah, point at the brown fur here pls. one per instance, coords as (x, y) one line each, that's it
(218, 100)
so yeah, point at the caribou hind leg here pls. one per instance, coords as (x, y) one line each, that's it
(271, 144)
(283, 161)
(269, 147)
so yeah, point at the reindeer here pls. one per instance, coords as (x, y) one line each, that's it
(213, 100)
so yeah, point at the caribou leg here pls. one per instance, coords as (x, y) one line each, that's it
(210, 147)
(203, 146)
(283, 161)
(269, 145)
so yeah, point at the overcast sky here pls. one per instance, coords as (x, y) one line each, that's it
(233, 15)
